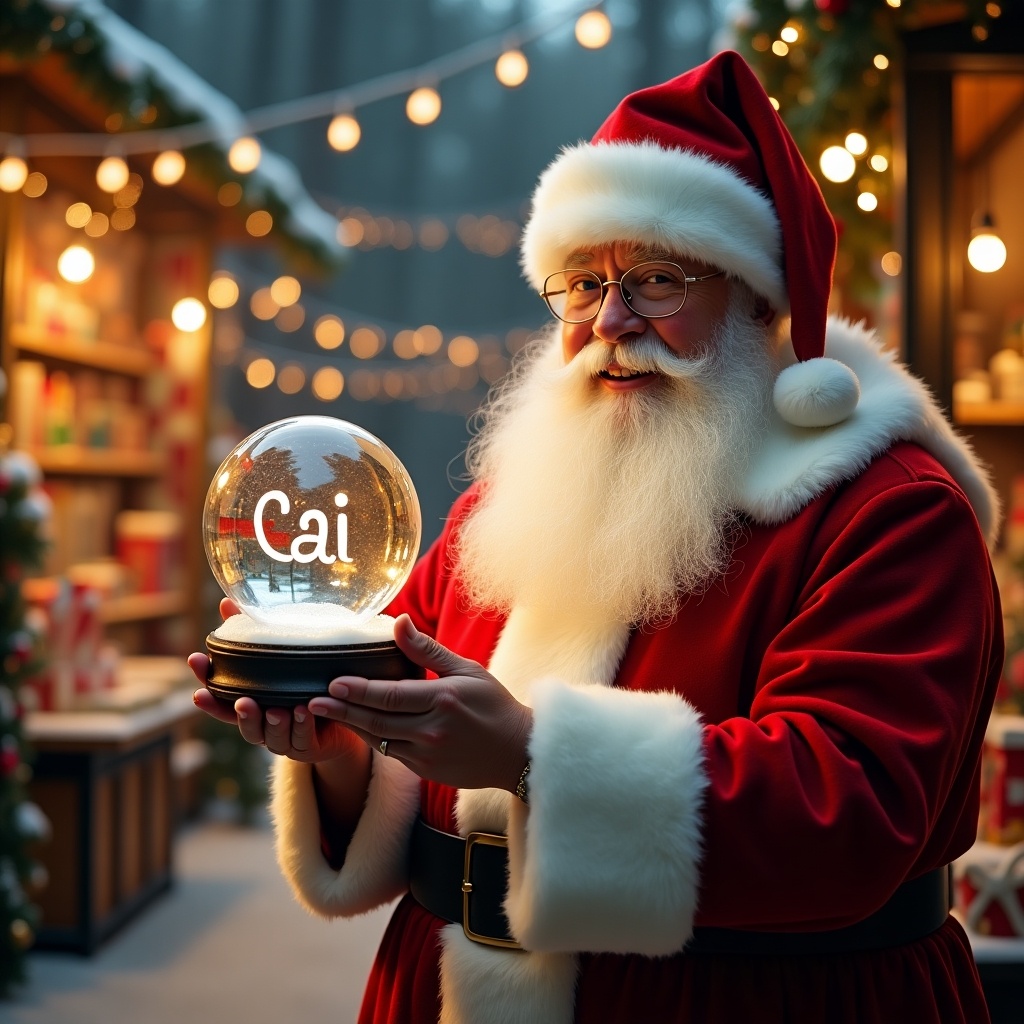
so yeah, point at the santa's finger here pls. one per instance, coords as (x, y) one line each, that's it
(374, 722)
(250, 720)
(303, 729)
(403, 696)
(205, 701)
(426, 652)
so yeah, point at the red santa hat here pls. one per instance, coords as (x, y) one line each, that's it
(702, 165)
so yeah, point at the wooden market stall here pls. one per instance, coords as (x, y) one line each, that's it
(105, 342)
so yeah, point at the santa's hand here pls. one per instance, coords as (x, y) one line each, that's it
(292, 732)
(463, 729)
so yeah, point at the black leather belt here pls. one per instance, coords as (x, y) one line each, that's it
(465, 880)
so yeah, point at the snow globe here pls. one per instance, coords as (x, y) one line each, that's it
(311, 527)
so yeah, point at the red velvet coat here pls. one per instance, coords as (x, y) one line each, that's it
(844, 673)
(795, 744)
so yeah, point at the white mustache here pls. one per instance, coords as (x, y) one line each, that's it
(644, 355)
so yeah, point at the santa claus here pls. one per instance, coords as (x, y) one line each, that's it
(714, 634)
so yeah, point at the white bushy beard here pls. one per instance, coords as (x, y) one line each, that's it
(617, 502)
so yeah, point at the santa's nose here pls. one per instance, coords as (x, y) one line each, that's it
(615, 321)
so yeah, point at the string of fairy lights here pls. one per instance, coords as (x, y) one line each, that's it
(409, 362)
(362, 356)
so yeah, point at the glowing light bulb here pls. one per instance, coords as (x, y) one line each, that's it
(593, 30)
(168, 167)
(302, 505)
(856, 143)
(245, 154)
(867, 201)
(223, 291)
(986, 251)
(76, 264)
(837, 164)
(112, 174)
(286, 290)
(423, 106)
(13, 173)
(188, 315)
(512, 68)
(343, 133)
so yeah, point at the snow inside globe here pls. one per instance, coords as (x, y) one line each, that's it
(311, 527)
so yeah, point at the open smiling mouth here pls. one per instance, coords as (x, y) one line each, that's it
(618, 373)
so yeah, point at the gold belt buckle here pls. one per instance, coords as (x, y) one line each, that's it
(472, 840)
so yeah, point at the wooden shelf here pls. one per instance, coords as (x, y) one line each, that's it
(991, 413)
(72, 460)
(136, 607)
(129, 360)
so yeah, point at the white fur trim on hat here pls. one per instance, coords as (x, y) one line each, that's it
(606, 858)
(596, 194)
(816, 393)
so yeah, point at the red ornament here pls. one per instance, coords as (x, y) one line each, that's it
(832, 6)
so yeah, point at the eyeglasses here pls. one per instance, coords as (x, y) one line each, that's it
(651, 290)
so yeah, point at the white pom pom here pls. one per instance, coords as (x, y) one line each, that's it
(816, 393)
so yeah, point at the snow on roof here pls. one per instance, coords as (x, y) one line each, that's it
(130, 55)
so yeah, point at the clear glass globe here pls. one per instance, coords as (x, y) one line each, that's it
(311, 519)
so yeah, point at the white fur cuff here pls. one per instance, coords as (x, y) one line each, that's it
(606, 857)
(375, 869)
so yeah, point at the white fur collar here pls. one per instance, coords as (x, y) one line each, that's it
(796, 464)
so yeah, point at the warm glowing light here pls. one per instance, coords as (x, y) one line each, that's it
(404, 344)
(168, 167)
(365, 343)
(13, 173)
(122, 220)
(986, 251)
(780, 48)
(892, 263)
(837, 164)
(343, 133)
(328, 383)
(188, 315)
(292, 379)
(260, 373)
(245, 154)
(894, 3)
(463, 351)
(125, 198)
(78, 215)
(428, 339)
(290, 319)
(856, 143)
(789, 34)
(76, 264)
(880, 61)
(286, 290)
(259, 223)
(350, 232)
(263, 305)
(512, 68)
(878, 162)
(223, 291)
(867, 201)
(112, 174)
(774, 102)
(229, 194)
(593, 30)
(329, 331)
(433, 234)
(35, 185)
(423, 106)
(98, 225)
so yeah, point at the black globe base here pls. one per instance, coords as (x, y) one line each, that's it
(280, 676)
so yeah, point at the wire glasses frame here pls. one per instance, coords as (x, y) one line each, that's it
(651, 290)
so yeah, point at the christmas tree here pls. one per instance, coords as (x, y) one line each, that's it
(23, 512)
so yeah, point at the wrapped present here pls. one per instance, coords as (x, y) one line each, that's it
(1002, 794)
(989, 889)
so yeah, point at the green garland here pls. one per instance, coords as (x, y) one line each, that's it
(828, 85)
(22, 512)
